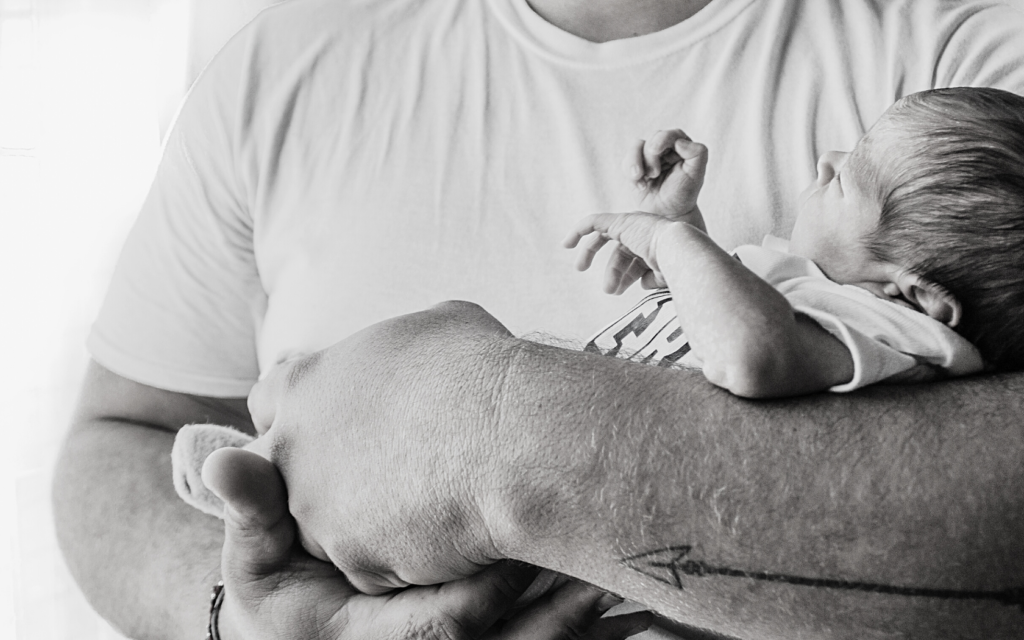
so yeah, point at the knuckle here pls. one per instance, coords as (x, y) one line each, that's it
(458, 306)
(298, 369)
(253, 401)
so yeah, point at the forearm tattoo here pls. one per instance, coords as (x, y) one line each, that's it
(673, 567)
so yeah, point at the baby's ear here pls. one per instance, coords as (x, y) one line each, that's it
(931, 298)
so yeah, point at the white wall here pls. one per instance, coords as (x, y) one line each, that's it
(84, 89)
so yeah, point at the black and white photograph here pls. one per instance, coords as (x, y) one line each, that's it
(512, 319)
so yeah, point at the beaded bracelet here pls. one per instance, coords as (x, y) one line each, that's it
(216, 599)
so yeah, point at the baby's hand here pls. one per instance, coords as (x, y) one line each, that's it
(669, 170)
(633, 259)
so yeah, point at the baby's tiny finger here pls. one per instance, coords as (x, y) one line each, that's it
(689, 150)
(595, 222)
(570, 241)
(618, 264)
(590, 248)
(651, 280)
(656, 148)
(635, 271)
(633, 162)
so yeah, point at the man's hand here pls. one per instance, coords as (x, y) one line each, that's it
(635, 256)
(275, 590)
(669, 171)
(374, 437)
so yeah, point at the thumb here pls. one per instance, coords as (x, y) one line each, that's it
(262, 447)
(263, 398)
(259, 532)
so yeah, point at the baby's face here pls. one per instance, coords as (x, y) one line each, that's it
(838, 211)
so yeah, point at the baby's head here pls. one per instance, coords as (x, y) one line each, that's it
(928, 211)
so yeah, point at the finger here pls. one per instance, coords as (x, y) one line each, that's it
(258, 530)
(618, 627)
(571, 611)
(261, 446)
(689, 150)
(589, 249)
(584, 227)
(659, 151)
(618, 264)
(374, 583)
(570, 241)
(264, 396)
(475, 603)
(594, 223)
(652, 280)
(633, 163)
(637, 269)
(695, 158)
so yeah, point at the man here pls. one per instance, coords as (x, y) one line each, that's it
(343, 163)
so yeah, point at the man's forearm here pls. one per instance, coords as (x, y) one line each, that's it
(144, 559)
(430, 444)
(895, 509)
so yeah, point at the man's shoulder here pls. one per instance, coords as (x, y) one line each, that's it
(288, 43)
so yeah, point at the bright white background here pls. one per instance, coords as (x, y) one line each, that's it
(86, 89)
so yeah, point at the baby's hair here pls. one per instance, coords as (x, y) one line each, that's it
(952, 208)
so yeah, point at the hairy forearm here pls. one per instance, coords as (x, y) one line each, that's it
(891, 510)
(144, 559)
(115, 513)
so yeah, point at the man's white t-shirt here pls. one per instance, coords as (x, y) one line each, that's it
(886, 341)
(339, 163)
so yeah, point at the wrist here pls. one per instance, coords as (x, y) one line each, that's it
(494, 494)
(229, 623)
(669, 241)
(533, 484)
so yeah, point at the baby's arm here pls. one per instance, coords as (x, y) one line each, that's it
(746, 332)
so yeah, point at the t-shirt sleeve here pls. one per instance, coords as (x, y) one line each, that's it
(886, 341)
(184, 306)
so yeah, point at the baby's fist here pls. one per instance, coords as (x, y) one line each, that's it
(669, 170)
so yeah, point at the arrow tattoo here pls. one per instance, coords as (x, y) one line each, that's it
(669, 565)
